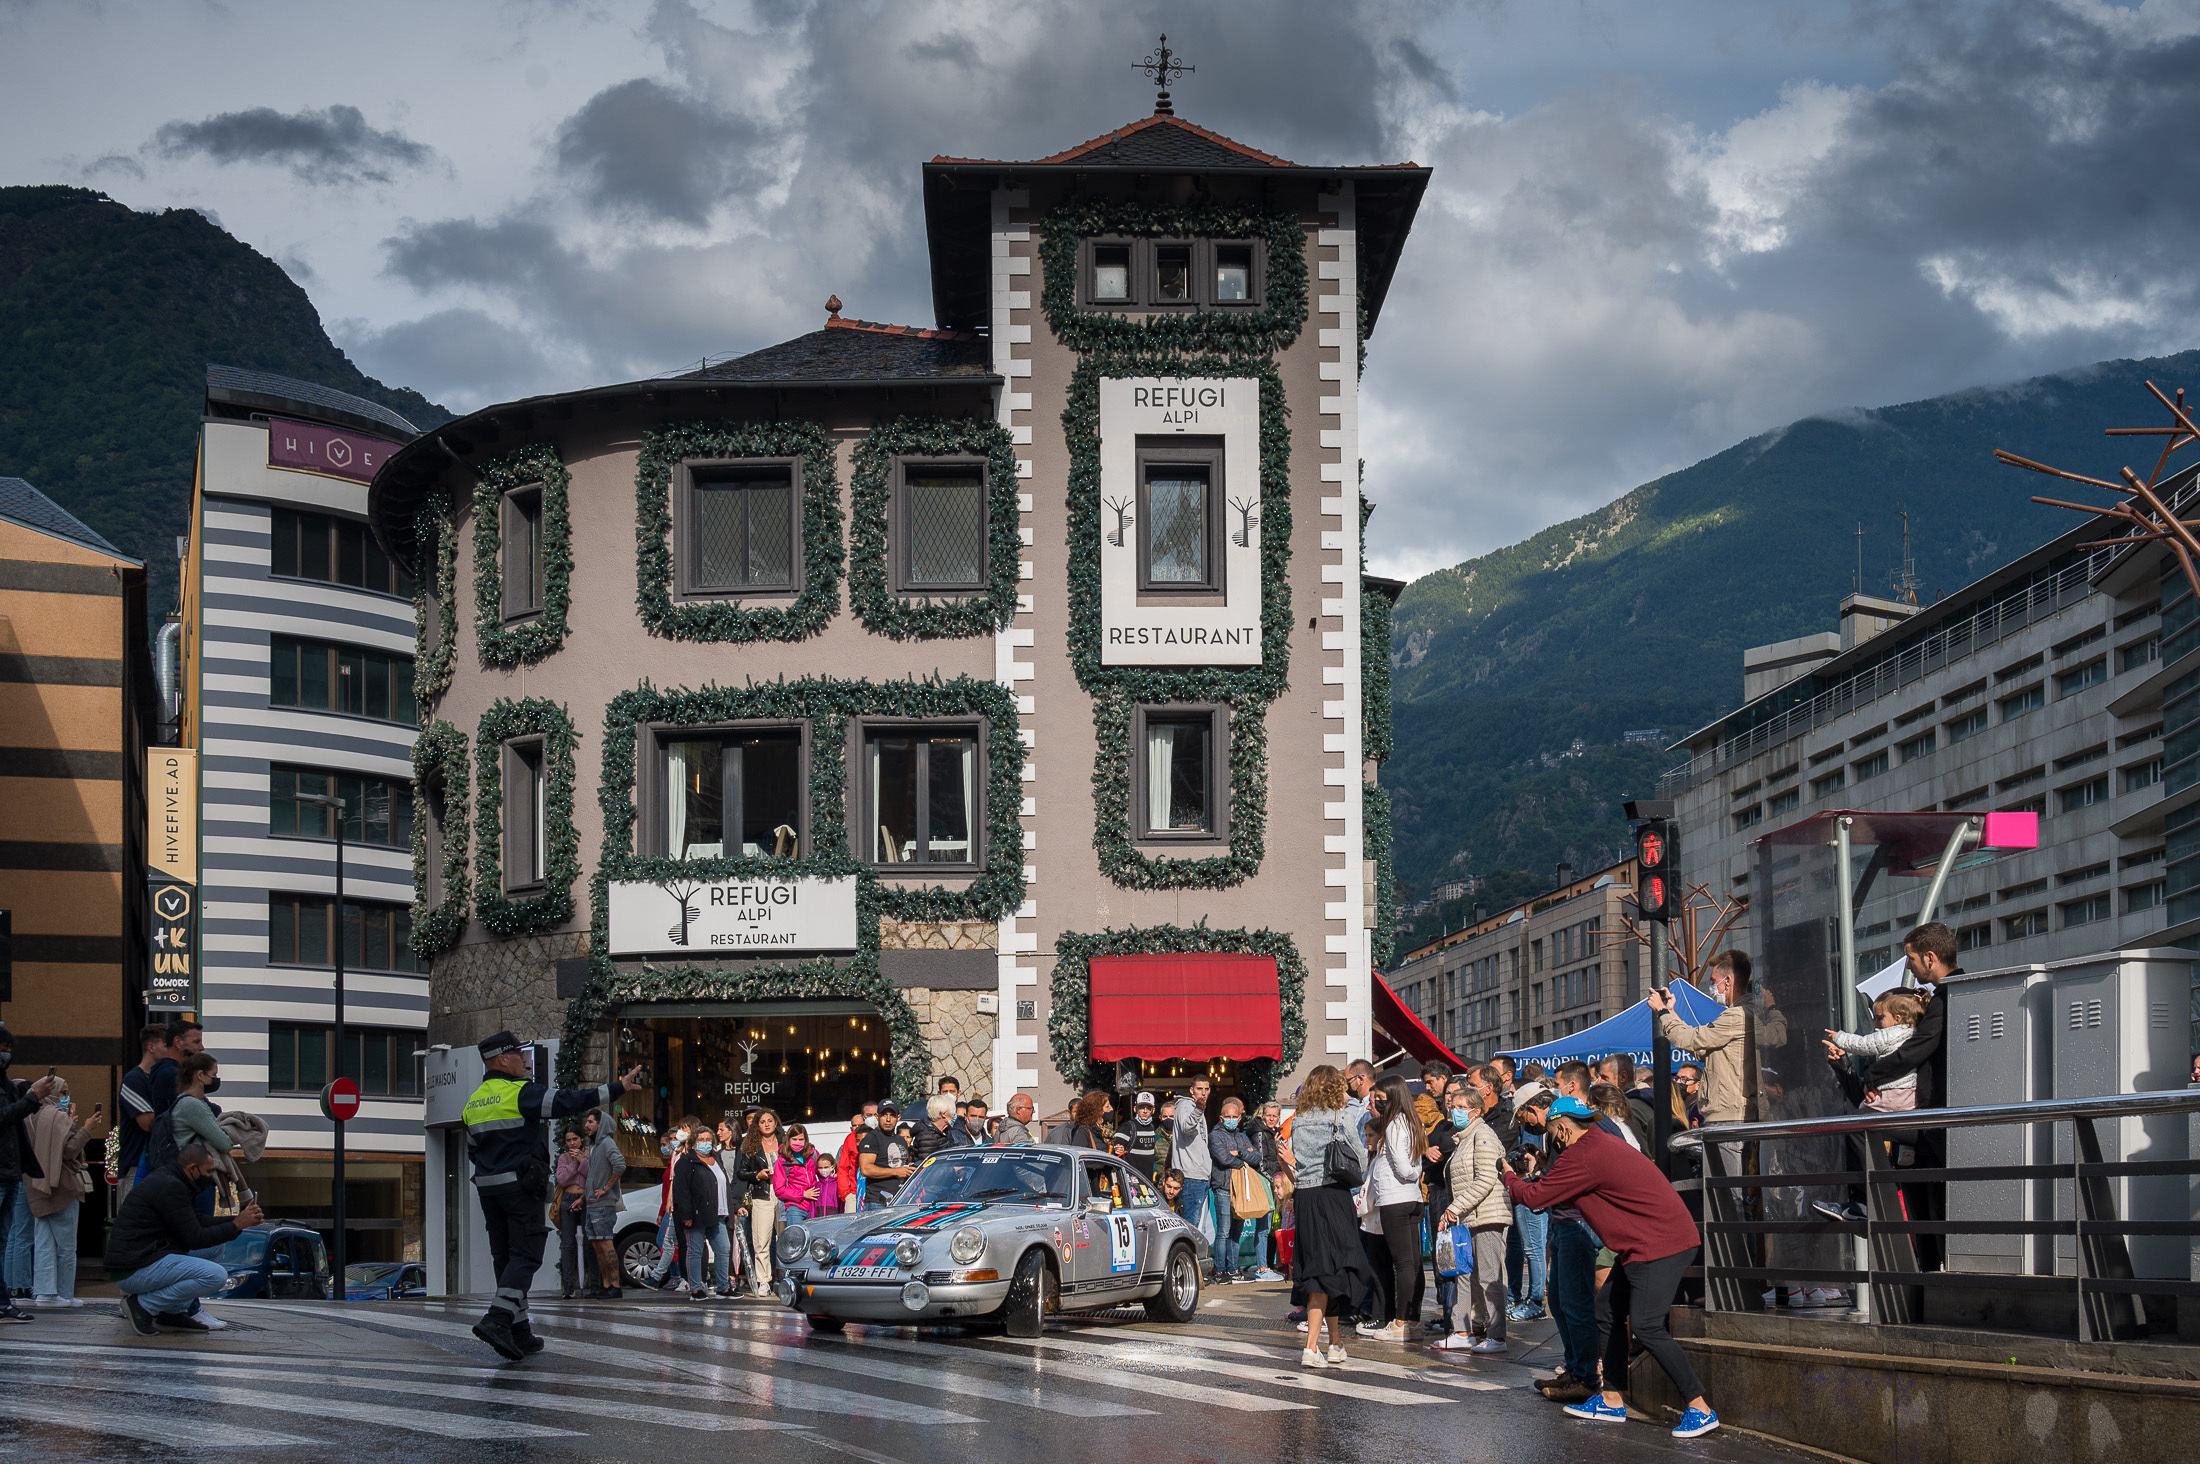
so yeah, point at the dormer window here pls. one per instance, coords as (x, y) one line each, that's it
(1167, 274)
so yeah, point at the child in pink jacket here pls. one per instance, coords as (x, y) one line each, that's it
(797, 1182)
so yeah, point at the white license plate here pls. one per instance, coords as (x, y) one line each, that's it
(863, 1273)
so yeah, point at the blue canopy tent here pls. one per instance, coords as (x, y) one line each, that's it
(1628, 1031)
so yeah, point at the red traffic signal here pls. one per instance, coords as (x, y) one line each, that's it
(1654, 875)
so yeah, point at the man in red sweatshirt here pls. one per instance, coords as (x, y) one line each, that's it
(1633, 1210)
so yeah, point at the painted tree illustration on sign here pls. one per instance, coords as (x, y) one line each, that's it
(683, 893)
(1247, 519)
(1121, 507)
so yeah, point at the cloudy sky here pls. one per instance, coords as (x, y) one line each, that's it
(1656, 226)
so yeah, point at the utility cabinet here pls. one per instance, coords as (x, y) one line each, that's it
(1999, 1052)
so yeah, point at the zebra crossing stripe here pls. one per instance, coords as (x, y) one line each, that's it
(763, 1386)
(829, 1357)
(255, 1398)
(1435, 1375)
(1281, 1374)
(167, 1427)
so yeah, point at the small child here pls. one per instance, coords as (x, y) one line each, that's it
(1896, 1014)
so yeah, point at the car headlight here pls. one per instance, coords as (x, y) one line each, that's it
(791, 1243)
(235, 1280)
(821, 1249)
(916, 1296)
(909, 1252)
(967, 1246)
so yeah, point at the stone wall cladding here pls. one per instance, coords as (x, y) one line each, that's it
(495, 984)
(960, 1038)
(944, 935)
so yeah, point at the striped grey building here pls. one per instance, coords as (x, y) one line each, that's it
(298, 647)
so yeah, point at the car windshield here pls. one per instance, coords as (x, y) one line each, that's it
(373, 1274)
(248, 1249)
(1011, 1176)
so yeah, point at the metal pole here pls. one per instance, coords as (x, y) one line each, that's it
(1661, 1060)
(1844, 877)
(336, 1278)
(1970, 830)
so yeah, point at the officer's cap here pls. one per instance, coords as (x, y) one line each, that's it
(500, 1044)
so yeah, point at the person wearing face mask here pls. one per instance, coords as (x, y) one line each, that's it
(196, 1120)
(860, 1123)
(149, 1245)
(798, 1179)
(569, 1177)
(18, 1101)
(673, 1149)
(702, 1198)
(1236, 1156)
(1475, 1180)
(59, 1138)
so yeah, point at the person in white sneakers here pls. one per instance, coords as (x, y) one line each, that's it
(1330, 1162)
(1478, 1201)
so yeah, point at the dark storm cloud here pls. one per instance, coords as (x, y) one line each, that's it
(642, 145)
(453, 345)
(329, 147)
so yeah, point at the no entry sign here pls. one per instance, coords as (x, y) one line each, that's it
(340, 1101)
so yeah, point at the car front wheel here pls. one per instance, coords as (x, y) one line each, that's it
(1033, 1296)
(1178, 1297)
(638, 1255)
(827, 1324)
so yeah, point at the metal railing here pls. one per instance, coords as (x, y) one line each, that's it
(2109, 1297)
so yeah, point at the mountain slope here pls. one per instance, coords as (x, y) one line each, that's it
(108, 319)
(1635, 616)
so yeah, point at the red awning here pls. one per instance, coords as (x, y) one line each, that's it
(1194, 1006)
(1406, 1029)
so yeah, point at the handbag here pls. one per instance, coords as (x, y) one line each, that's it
(1341, 1165)
(1454, 1251)
(1249, 1197)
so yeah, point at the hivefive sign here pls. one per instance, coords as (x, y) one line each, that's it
(308, 447)
(732, 916)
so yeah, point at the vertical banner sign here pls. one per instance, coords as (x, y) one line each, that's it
(172, 878)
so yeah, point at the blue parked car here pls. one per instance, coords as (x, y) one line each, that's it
(385, 1281)
(280, 1259)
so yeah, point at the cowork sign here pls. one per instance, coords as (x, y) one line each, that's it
(307, 447)
(732, 916)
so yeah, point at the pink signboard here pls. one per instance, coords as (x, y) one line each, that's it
(308, 447)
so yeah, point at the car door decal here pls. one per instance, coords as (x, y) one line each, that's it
(1123, 1244)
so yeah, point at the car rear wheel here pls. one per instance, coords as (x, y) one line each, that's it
(1178, 1297)
(638, 1255)
(1033, 1296)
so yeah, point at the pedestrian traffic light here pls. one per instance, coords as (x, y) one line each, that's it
(1654, 892)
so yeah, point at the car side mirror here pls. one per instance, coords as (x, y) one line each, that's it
(1099, 1204)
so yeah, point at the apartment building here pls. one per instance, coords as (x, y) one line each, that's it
(2043, 686)
(1530, 974)
(298, 682)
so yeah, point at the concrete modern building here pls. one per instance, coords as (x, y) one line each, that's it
(1532, 973)
(2061, 683)
(298, 680)
(76, 714)
(893, 703)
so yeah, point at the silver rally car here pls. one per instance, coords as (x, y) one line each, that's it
(998, 1236)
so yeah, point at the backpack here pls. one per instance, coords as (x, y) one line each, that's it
(161, 1149)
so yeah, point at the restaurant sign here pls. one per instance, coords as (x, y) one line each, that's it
(732, 916)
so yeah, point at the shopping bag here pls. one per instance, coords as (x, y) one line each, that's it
(1454, 1251)
(1249, 1197)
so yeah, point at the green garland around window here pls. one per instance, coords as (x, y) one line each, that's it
(663, 448)
(506, 719)
(435, 647)
(1081, 431)
(439, 755)
(1121, 859)
(1257, 332)
(828, 705)
(1375, 845)
(1069, 1019)
(869, 588)
(503, 645)
(1376, 738)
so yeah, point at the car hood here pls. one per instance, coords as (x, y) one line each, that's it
(919, 1220)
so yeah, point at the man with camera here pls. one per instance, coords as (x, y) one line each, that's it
(507, 1135)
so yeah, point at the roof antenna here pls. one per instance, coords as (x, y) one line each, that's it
(1859, 587)
(1162, 66)
(1905, 579)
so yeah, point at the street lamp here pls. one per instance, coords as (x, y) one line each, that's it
(336, 1269)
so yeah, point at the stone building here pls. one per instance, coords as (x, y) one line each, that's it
(893, 703)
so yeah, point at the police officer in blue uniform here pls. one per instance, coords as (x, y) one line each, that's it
(507, 1136)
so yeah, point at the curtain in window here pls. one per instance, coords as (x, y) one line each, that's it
(970, 797)
(1160, 772)
(542, 837)
(676, 800)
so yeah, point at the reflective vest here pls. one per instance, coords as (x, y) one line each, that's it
(499, 1137)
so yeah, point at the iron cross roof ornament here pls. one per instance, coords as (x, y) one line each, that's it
(1163, 67)
(2143, 514)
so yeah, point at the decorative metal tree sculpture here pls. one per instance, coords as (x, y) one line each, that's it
(2143, 514)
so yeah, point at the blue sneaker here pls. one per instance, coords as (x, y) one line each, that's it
(1596, 1409)
(1695, 1423)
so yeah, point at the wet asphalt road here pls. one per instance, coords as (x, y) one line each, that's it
(664, 1380)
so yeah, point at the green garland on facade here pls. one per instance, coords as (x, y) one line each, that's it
(1251, 332)
(663, 448)
(1121, 859)
(1375, 845)
(506, 719)
(440, 752)
(1377, 740)
(828, 705)
(869, 589)
(435, 611)
(519, 644)
(1069, 1019)
(1081, 431)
